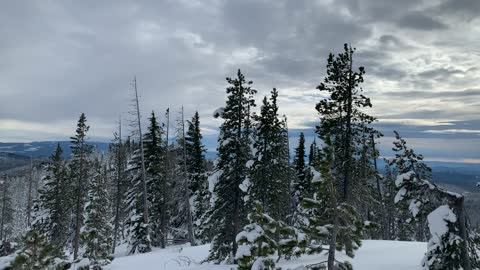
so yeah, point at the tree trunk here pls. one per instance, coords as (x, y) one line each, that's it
(163, 221)
(462, 220)
(348, 138)
(142, 154)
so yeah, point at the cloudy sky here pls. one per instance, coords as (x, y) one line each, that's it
(61, 58)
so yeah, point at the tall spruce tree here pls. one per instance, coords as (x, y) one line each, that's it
(139, 240)
(79, 171)
(119, 187)
(182, 217)
(301, 184)
(53, 208)
(269, 170)
(407, 160)
(156, 181)
(344, 124)
(341, 117)
(96, 237)
(197, 175)
(228, 214)
(331, 222)
(313, 154)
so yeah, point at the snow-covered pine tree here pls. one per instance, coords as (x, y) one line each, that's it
(36, 253)
(365, 196)
(6, 211)
(119, 150)
(79, 171)
(96, 238)
(269, 169)
(197, 174)
(301, 184)
(264, 237)
(256, 243)
(228, 214)
(392, 214)
(53, 208)
(331, 222)
(313, 154)
(407, 160)
(157, 182)
(137, 232)
(451, 244)
(182, 218)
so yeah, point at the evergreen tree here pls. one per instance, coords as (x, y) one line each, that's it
(138, 234)
(35, 255)
(264, 237)
(227, 215)
(345, 125)
(331, 221)
(157, 181)
(269, 170)
(120, 186)
(256, 242)
(394, 224)
(79, 169)
(451, 245)
(407, 160)
(53, 208)
(6, 211)
(313, 154)
(301, 185)
(341, 117)
(97, 233)
(196, 167)
(182, 217)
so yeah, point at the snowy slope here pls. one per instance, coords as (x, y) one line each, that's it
(373, 255)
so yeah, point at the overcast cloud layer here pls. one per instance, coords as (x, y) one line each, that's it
(61, 58)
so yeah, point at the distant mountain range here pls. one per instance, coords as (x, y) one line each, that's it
(44, 148)
(16, 154)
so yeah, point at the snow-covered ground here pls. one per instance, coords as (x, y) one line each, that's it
(373, 255)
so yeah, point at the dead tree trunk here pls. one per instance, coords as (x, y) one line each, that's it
(142, 155)
(462, 224)
(163, 216)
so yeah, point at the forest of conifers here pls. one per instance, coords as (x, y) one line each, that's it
(256, 202)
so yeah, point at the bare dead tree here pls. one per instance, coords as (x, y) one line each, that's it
(144, 181)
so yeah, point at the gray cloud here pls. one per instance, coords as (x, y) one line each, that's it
(439, 73)
(468, 93)
(420, 21)
(61, 58)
